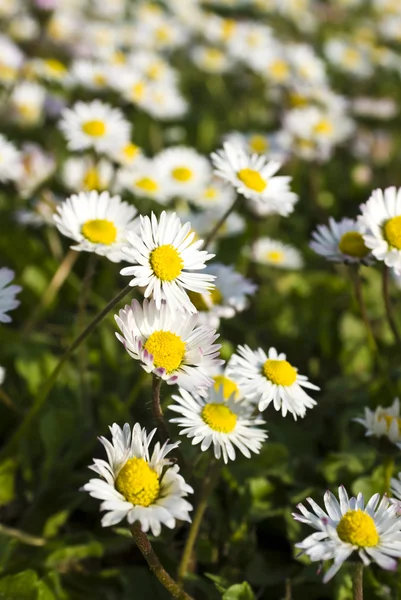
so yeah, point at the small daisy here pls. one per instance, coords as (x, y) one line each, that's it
(224, 383)
(128, 155)
(169, 343)
(145, 180)
(94, 125)
(10, 160)
(216, 195)
(186, 172)
(7, 294)
(205, 221)
(373, 531)
(137, 485)
(164, 257)
(49, 69)
(383, 422)
(271, 378)
(340, 241)
(380, 224)
(36, 167)
(98, 222)
(85, 174)
(276, 254)
(27, 102)
(222, 422)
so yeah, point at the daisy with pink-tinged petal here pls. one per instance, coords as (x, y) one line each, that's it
(348, 526)
(169, 344)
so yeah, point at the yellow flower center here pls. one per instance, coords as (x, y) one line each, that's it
(389, 420)
(163, 34)
(323, 127)
(352, 243)
(138, 91)
(200, 301)
(219, 417)
(228, 386)
(252, 179)
(358, 528)
(258, 143)
(166, 263)
(55, 66)
(130, 151)
(182, 174)
(279, 69)
(228, 28)
(94, 128)
(99, 231)
(167, 349)
(91, 179)
(279, 372)
(275, 256)
(210, 193)
(351, 57)
(392, 232)
(99, 79)
(138, 482)
(147, 184)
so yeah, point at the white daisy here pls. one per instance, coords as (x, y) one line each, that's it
(270, 378)
(380, 223)
(94, 125)
(83, 173)
(10, 160)
(164, 257)
(7, 294)
(276, 254)
(383, 422)
(395, 486)
(128, 155)
(274, 145)
(145, 180)
(340, 241)
(27, 102)
(226, 384)
(186, 172)
(222, 422)
(169, 343)
(137, 485)
(215, 195)
(36, 167)
(211, 59)
(98, 222)
(373, 531)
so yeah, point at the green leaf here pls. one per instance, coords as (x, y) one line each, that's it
(7, 481)
(54, 523)
(239, 591)
(22, 586)
(72, 554)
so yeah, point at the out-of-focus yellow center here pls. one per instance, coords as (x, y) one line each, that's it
(279, 69)
(350, 57)
(358, 528)
(167, 348)
(163, 34)
(182, 174)
(252, 179)
(275, 256)
(130, 151)
(99, 79)
(138, 91)
(166, 262)
(55, 66)
(258, 144)
(99, 231)
(138, 482)
(389, 420)
(210, 193)
(94, 128)
(219, 417)
(147, 184)
(323, 127)
(228, 386)
(91, 179)
(228, 28)
(392, 232)
(204, 302)
(352, 243)
(279, 372)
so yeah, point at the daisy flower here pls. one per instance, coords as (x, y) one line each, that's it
(145, 180)
(128, 155)
(98, 222)
(137, 485)
(83, 173)
(185, 171)
(10, 160)
(348, 526)
(252, 175)
(94, 125)
(216, 195)
(270, 378)
(169, 343)
(340, 241)
(383, 422)
(226, 384)
(222, 422)
(164, 257)
(395, 486)
(7, 294)
(276, 254)
(380, 223)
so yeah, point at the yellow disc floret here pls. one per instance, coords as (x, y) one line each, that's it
(279, 372)
(166, 263)
(392, 232)
(99, 231)
(258, 144)
(389, 421)
(352, 243)
(358, 528)
(219, 417)
(94, 128)
(138, 482)
(167, 348)
(323, 127)
(252, 179)
(147, 184)
(91, 180)
(228, 386)
(275, 256)
(182, 174)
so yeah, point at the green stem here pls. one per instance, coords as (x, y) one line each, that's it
(155, 565)
(357, 281)
(387, 303)
(209, 238)
(49, 384)
(157, 410)
(357, 581)
(21, 536)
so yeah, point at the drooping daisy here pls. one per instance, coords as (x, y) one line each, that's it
(219, 421)
(271, 378)
(10, 160)
(94, 125)
(137, 485)
(98, 222)
(7, 294)
(380, 223)
(347, 526)
(164, 257)
(169, 343)
(276, 254)
(383, 422)
(186, 172)
(340, 241)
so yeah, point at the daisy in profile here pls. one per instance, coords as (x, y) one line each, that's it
(85, 174)
(164, 258)
(380, 223)
(185, 171)
(94, 125)
(137, 485)
(98, 222)
(10, 161)
(383, 422)
(276, 254)
(222, 422)
(7, 294)
(347, 526)
(341, 241)
(264, 379)
(169, 344)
